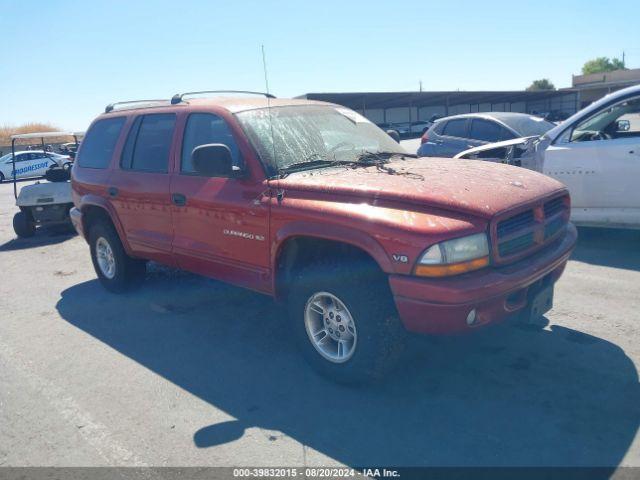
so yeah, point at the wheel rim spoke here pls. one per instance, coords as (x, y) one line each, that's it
(320, 335)
(317, 307)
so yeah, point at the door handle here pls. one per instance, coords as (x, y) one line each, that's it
(112, 191)
(178, 199)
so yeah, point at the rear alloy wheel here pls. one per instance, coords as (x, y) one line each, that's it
(344, 320)
(105, 258)
(23, 225)
(116, 270)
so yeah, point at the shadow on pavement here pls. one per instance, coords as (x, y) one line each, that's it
(504, 396)
(43, 237)
(608, 247)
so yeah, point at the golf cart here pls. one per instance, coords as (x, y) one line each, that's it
(42, 203)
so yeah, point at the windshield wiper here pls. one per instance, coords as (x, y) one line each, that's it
(366, 158)
(311, 165)
(380, 159)
(381, 156)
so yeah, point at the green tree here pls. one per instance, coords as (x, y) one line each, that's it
(602, 64)
(542, 84)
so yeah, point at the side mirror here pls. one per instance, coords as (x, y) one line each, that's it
(394, 134)
(624, 125)
(214, 160)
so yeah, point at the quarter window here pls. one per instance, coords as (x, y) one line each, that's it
(202, 129)
(100, 142)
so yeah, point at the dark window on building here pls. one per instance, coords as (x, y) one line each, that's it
(100, 142)
(488, 131)
(149, 142)
(456, 128)
(202, 129)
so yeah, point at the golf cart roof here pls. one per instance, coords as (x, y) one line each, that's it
(47, 134)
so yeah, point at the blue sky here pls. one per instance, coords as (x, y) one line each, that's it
(63, 61)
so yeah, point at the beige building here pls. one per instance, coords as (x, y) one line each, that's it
(596, 85)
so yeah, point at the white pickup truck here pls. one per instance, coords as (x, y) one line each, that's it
(595, 153)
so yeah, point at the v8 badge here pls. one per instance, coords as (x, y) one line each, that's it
(400, 258)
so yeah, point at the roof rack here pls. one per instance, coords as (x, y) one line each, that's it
(46, 135)
(153, 103)
(177, 98)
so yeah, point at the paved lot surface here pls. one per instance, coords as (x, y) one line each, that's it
(188, 371)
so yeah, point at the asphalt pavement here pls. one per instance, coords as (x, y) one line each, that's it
(189, 371)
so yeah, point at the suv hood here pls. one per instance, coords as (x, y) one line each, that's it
(463, 186)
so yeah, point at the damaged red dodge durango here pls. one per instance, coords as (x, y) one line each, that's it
(314, 205)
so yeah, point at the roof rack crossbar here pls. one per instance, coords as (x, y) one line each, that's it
(20, 136)
(112, 106)
(177, 98)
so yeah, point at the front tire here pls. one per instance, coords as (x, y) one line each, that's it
(23, 225)
(116, 270)
(345, 322)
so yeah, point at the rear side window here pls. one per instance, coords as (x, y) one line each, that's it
(204, 128)
(488, 131)
(148, 143)
(100, 142)
(456, 128)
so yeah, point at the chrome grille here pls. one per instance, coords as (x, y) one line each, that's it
(515, 223)
(515, 245)
(554, 206)
(528, 230)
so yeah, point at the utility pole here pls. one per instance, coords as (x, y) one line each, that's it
(420, 82)
(623, 64)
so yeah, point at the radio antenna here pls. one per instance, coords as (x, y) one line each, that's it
(266, 82)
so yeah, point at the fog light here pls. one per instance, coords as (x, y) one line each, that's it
(471, 318)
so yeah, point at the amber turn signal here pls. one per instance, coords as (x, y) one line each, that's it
(451, 269)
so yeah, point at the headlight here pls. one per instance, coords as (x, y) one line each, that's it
(453, 257)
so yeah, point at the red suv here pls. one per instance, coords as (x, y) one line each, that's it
(311, 203)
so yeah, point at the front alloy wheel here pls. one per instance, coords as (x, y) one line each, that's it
(330, 327)
(344, 321)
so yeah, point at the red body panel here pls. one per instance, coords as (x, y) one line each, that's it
(441, 306)
(234, 229)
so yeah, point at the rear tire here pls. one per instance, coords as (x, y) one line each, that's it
(23, 225)
(116, 270)
(359, 293)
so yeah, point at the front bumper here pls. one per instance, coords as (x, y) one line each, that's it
(76, 218)
(441, 306)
